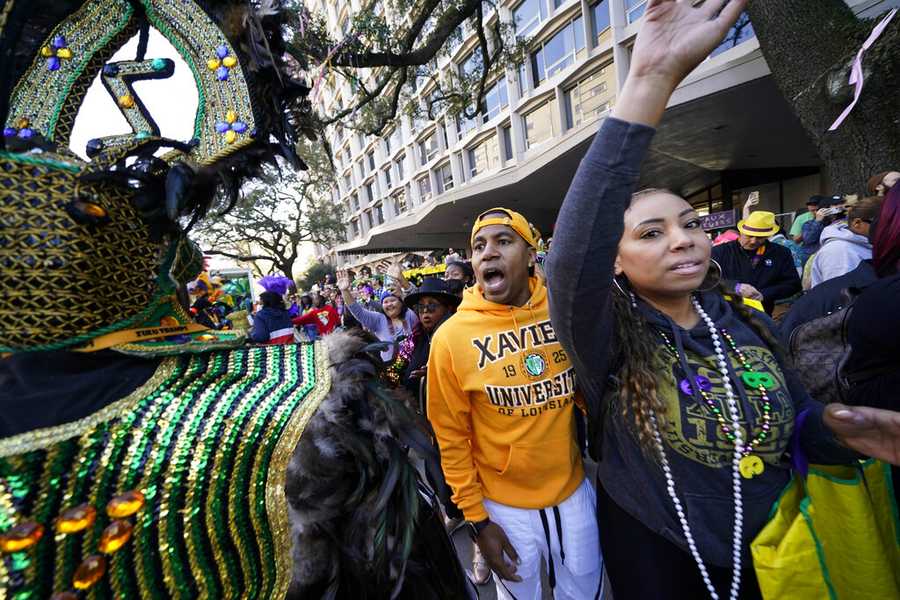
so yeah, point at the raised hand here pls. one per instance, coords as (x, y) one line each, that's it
(675, 37)
(343, 281)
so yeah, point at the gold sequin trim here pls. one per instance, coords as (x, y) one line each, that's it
(41, 439)
(276, 502)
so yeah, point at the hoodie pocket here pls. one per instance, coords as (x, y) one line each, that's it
(543, 465)
(712, 521)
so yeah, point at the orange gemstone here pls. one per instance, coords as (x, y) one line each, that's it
(22, 123)
(207, 337)
(64, 596)
(126, 101)
(22, 536)
(125, 505)
(89, 572)
(76, 519)
(115, 536)
(169, 321)
(92, 209)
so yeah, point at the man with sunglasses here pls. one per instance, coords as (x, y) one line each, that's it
(501, 399)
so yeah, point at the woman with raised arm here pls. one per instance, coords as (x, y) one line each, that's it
(691, 406)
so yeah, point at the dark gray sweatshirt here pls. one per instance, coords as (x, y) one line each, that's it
(580, 274)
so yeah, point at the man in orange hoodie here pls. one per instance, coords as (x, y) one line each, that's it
(501, 394)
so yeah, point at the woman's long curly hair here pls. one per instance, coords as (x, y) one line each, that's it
(638, 370)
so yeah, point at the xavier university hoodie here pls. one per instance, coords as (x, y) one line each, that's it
(500, 398)
(585, 244)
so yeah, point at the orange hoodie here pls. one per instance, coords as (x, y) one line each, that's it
(501, 393)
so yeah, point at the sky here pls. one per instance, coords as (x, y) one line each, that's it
(172, 103)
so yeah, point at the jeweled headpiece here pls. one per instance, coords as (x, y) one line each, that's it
(92, 247)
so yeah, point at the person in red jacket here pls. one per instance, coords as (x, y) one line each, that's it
(324, 316)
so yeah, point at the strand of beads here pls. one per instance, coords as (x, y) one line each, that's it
(704, 386)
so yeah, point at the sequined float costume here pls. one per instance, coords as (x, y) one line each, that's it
(141, 455)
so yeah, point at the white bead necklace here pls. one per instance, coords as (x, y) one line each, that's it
(734, 413)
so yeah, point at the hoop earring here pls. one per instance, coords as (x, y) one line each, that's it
(628, 295)
(712, 279)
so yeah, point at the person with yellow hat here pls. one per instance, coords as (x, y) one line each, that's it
(753, 266)
(501, 399)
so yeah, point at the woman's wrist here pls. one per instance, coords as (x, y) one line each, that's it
(643, 99)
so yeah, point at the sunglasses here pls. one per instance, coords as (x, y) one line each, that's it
(430, 307)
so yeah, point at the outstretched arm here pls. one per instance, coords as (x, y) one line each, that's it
(674, 38)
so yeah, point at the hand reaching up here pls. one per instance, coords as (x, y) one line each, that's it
(343, 281)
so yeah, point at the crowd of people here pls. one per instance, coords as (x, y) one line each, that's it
(641, 343)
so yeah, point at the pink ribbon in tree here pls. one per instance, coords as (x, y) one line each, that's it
(856, 71)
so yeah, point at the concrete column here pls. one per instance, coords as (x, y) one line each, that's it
(457, 168)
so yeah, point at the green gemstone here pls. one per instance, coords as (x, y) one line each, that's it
(158, 64)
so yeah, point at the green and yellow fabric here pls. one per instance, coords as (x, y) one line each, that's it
(175, 491)
(833, 535)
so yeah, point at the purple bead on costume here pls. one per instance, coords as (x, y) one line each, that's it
(222, 127)
(222, 73)
(239, 127)
(222, 51)
(10, 131)
(685, 387)
(53, 63)
(58, 42)
(704, 383)
(26, 133)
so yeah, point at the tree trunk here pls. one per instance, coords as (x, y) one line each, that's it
(809, 46)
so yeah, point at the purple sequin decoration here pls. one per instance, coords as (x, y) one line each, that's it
(26, 133)
(222, 127)
(222, 51)
(239, 127)
(222, 73)
(58, 42)
(10, 131)
(685, 387)
(53, 63)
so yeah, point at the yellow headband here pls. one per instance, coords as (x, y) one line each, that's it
(513, 220)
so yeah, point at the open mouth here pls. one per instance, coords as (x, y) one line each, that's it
(687, 267)
(493, 278)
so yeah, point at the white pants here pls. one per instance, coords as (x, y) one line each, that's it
(565, 536)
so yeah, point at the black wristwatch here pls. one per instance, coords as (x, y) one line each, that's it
(479, 526)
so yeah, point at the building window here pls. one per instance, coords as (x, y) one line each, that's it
(369, 222)
(378, 213)
(399, 162)
(473, 64)
(354, 227)
(444, 178)
(464, 125)
(428, 149)
(370, 161)
(387, 145)
(360, 171)
(541, 124)
(558, 52)
(495, 100)
(600, 22)
(590, 97)
(400, 202)
(361, 140)
(370, 192)
(528, 15)
(424, 188)
(354, 203)
(484, 157)
(387, 178)
(634, 9)
(739, 33)
(507, 142)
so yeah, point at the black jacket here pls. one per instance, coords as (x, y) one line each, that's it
(774, 275)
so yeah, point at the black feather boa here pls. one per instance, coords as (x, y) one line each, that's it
(363, 524)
